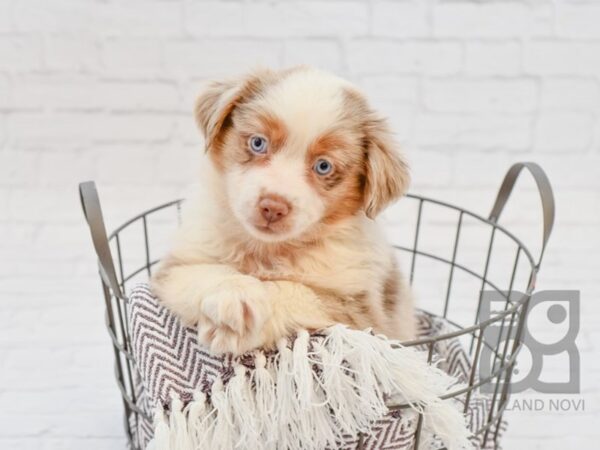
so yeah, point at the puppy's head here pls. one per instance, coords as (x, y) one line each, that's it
(298, 149)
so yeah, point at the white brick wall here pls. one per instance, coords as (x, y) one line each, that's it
(102, 89)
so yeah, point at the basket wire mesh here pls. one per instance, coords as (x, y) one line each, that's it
(455, 304)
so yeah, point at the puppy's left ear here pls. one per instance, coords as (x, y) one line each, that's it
(387, 174)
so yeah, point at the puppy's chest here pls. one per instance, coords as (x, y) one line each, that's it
(323, 271)
(270, 268)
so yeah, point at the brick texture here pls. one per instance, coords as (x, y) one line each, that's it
(104, 89)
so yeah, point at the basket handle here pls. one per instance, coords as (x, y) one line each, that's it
(546, 195)
(90, 203)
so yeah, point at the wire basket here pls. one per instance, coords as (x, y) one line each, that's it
(468, 254)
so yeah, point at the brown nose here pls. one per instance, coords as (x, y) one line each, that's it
(273, 208)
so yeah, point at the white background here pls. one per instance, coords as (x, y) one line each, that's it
(104, 90)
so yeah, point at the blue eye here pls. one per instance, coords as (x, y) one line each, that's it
(323, 167)
(258, 144)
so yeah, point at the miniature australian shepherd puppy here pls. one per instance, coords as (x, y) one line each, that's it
(283, 237)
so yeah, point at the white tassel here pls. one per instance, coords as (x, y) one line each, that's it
(200, 421)
(264, 394)
(440, 419)
(223, 433)
(315, 428)
(325, 429)
(178, 425)
(287, 403)
(161, 440)
(243, 412)
(302, 371)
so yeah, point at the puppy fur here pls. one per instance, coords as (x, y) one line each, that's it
(247, 279)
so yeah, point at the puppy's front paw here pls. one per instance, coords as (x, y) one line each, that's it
(232, 317)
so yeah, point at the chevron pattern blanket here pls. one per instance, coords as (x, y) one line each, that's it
(200, 400)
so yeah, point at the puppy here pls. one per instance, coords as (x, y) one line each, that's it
(283, 236)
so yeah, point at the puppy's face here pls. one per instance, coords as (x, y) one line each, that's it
(298, 149)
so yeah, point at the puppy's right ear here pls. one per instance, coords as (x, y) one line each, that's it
(219, 99)
(213, 107)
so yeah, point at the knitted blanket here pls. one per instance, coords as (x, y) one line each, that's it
(327, 390)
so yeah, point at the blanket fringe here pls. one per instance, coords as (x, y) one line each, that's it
(312, 395)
